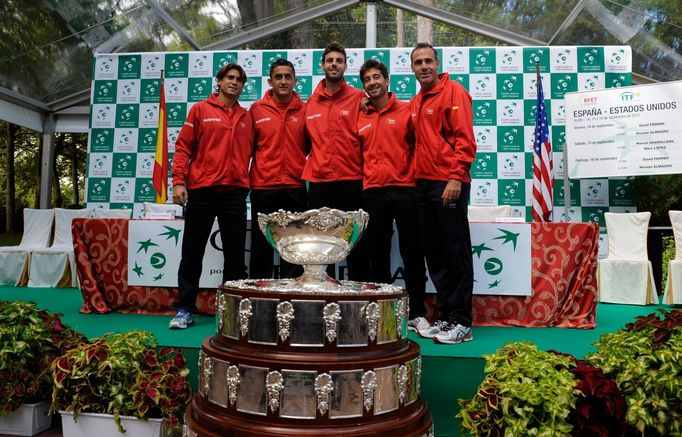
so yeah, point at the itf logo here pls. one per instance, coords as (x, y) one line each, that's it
(590, 59)
(103, 115)
(400, 61)
(250, 62)
(129, 67)
(562, 84)
(455, 60)
(304, 87)
(104, 91)
(101, 140)
(99, 189)
(512, 192)
(591, 82)
(509, 60)
(127, 115)
(152, 64)
(509, 139)
(144, 191)
(129, 91)
(353, 60)
(100, 165)
(199, 88)
(105, 67)
(302, 61)
(403, 86)
(483, 192)
(222, 58)
(482, 60)
(621, 192)
(563, 60)
(200, 62)
(124, 165)
(176, 114)
(176, 90)
(268, 59)
(485, 113)
(485, 166)
(510, 112)
(126, 140)
(485, 138)
(177, 65)
(147, 140)
(594, 192)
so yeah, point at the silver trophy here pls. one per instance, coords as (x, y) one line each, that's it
(314, 239)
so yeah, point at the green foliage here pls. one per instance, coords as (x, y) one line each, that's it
(30, 339)
(668, 255)
(645, 359)
(526, 392)
(122, 374)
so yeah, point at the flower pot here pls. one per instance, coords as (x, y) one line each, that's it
(28, 419)
(103, 425)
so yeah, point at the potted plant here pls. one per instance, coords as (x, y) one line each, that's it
(123, 375)
(645, 360)
(30, 339)
(526, 392)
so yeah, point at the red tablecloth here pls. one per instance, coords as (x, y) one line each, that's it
(564, 283)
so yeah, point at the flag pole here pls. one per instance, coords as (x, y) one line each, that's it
(160, 175)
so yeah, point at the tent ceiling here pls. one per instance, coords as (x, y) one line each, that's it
(50, 67)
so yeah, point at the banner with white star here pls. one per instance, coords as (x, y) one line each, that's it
(154, 254)
(502, 260)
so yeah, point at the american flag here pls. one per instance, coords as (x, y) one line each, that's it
(543, 172)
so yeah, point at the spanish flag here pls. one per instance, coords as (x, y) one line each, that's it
(160, 177)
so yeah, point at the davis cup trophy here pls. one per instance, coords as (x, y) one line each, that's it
(310, 356)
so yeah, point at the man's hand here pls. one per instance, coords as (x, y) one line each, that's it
(364, 104)
(179, 195)
(451, 192)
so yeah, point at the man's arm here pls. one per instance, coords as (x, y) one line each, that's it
(184, 148)
(460, 120)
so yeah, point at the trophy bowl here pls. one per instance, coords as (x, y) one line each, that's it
(313, 238)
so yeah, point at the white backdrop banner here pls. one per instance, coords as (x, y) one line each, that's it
(628, 131)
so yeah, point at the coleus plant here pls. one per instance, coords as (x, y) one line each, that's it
(123, 374)
(30, 339)
(645, 360)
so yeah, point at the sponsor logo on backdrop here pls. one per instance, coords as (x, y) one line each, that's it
(616, 59)
(270, 57)
(485, 138)
(590, 82)
(106, 67)
(252, 90)
(128, 91)
(222, 58)
(510, 112)
(509, 60)
(250, 62)
(153, 256)
(127, 115)
(403, 86)
(482, 60)
(400, 62)
(530, 108)
(176, 90)
(482, 86)
(463, 80)
(622, 192)
(144, 191)
(145, 165)
(534, 56)
(303, 62)
(558, 114)
(563, 60)
(177, 65)
(455, 60)
(149, 115)
(101, 140)
(129, 67)
(559, 195)
(152, 64)
(485, 112)
(177, 112)
(100, 165)
(104, 91)
(199, 88)
(103, 115)
(574, 215)
(512, 192)
(304, 86)
(200, 65)
(150, 92)
(593, 214)
(99, 189)
(590, 59)
(511, 165)
(173, 133)
(617, 80)
(594, 192)
(124, 165)
(484, 166)
(483, 192)
(146, 140)
(510, 139)
(122, 190)
(510, 86)
(354, 60)
(562, 84)
(125, 140)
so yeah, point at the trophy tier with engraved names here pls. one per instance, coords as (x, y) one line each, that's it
(310, 356)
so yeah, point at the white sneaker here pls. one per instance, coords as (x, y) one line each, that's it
(455, 335)
(417, 324)
(434, 329)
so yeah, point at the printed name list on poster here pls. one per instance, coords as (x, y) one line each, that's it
(625, 132)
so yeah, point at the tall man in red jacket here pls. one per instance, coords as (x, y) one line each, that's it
(334, 167)
(387, 138)
(211, 176)
(279, 155)
(445, 149)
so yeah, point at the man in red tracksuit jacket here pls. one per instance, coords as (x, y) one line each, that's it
(334, 167)
(387, 138)
(279, 156)
(445, 149)
(211, 177)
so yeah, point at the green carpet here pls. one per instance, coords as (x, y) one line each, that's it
(448, 372)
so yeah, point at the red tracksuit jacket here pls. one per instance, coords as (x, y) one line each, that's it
(331, 126)
(279, 143)
(445, 143)
(387, 138)
(214, 146)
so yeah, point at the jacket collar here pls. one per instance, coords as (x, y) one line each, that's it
(391, 101)
(294, 103)
(443, 80)
(213, 100)
(322, 92)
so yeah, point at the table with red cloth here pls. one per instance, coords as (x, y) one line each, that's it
(563, 270)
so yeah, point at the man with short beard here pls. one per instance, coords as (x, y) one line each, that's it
(334, 167)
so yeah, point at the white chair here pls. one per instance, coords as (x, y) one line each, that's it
(488, 213)
(625, 275)
(55, 266)
(161, 210)
(112, 213)
(673, 286)
(14, 260)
